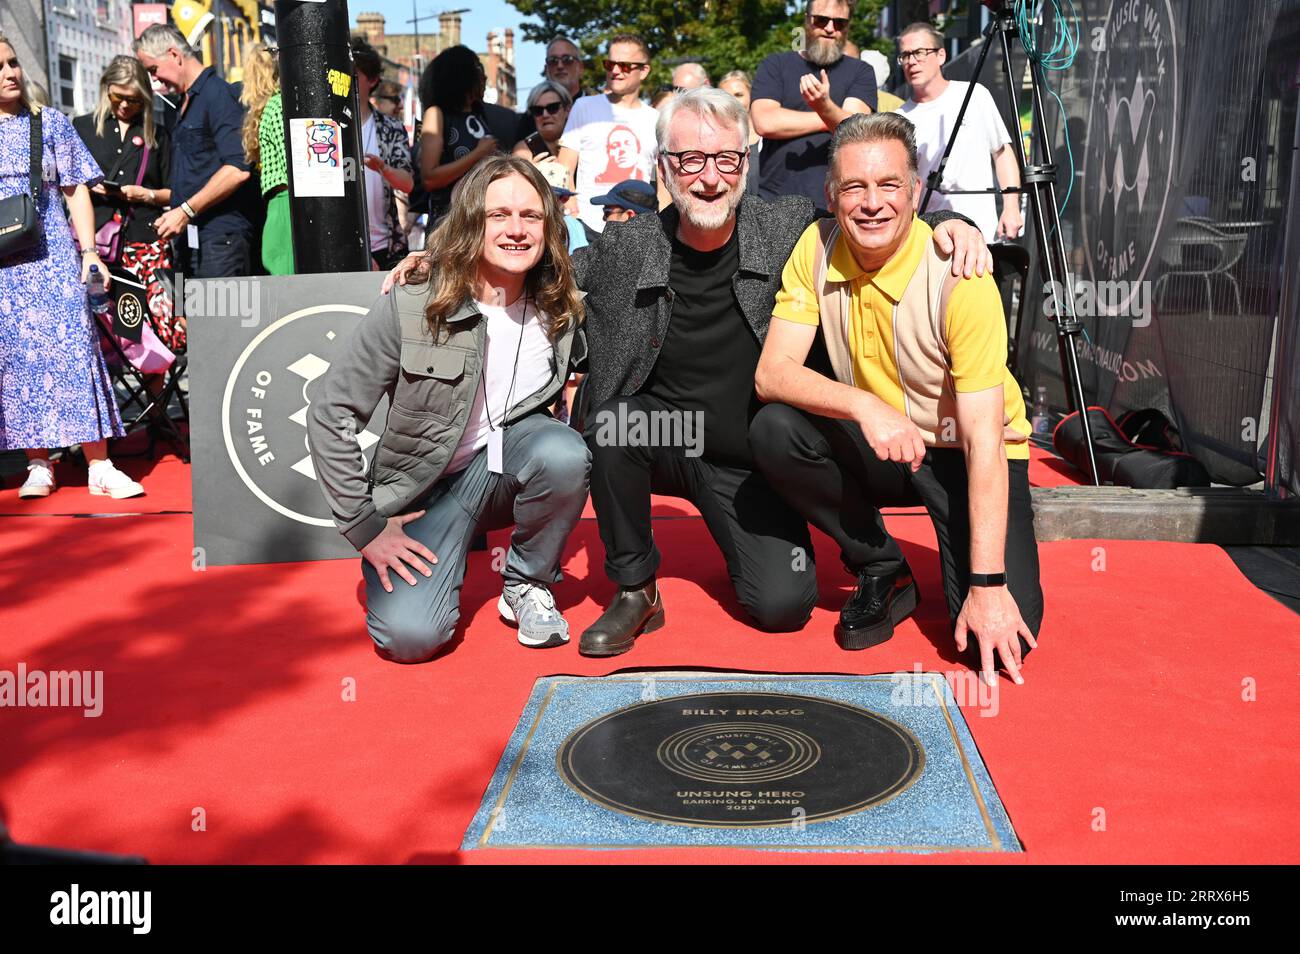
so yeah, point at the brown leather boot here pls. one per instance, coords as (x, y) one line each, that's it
(632, 613)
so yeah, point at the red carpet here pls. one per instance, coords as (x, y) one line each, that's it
(166, 482)
(224, 693)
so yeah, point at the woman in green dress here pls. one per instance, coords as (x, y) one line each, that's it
(264, 149)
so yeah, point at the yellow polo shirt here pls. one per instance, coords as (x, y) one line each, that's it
(977, 331)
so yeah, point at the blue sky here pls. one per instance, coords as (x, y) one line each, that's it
(483, 15)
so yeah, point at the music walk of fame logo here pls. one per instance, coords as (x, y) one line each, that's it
(266, 402)
(1130, 155)
(129, 310)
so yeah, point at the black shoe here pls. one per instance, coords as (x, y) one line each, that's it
(632, 613)
(877, 605)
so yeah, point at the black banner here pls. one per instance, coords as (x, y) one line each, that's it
(1176, 146)
(260, 347)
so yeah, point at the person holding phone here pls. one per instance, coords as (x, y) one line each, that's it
(548, 105)
(135, 154)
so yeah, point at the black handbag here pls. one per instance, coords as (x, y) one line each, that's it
(20, 217)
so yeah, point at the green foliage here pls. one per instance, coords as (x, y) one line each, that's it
(724, 35)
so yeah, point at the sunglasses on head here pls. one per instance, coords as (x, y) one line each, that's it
(622, 65)
(819, 22)
(550, 109)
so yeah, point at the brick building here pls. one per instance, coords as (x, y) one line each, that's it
(414, 51)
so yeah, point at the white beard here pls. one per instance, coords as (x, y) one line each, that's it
(701, 215)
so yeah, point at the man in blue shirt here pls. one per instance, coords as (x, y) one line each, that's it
(800, 97)
(213, 195)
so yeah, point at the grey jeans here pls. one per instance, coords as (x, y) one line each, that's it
(542, 492)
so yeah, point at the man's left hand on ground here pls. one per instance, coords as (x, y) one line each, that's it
(991, 613)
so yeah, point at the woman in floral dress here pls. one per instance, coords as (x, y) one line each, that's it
(54, 388)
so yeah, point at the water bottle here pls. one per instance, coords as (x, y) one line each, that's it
(100, 303)
(1041, 421)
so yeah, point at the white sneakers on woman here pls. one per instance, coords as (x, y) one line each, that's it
(40, 480)
(105, 481)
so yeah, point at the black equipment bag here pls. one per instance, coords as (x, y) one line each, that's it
(1160, 464)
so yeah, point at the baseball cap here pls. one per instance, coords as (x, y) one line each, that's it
(556, 175)
(631, 194)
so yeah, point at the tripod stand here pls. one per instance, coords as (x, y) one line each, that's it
(1040, 181)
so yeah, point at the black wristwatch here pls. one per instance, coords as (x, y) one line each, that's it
(988, 579)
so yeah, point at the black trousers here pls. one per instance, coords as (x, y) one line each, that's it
(218, 256)
(826, 470)
(764, 542)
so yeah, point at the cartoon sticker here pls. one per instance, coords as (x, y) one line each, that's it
(317, 146)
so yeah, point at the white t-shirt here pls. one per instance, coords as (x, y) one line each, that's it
(506, 383)
(614, 144)
(379, 236)
(971, 164)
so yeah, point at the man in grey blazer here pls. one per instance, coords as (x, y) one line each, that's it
(677, 308)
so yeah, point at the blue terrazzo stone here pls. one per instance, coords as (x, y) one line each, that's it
(951, 806)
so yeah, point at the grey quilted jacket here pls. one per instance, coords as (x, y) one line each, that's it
(430, 389)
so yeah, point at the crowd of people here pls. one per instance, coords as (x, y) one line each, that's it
(745, 255)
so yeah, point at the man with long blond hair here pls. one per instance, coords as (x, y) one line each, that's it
(471, 360)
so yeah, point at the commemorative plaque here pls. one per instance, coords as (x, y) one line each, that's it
(740, 759)
(797, 762)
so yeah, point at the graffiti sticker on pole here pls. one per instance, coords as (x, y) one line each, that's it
(317, 146)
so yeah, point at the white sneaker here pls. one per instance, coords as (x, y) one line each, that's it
(40, 480)
(532, 607)
(107, 481)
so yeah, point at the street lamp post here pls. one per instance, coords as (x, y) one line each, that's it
(322, 138)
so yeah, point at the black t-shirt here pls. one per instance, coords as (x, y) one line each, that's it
(798, 166)
(710, 353)
(460, 135)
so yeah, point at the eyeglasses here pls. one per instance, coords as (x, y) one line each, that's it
(565, 59)
(550, 109)
(920, 53)
(117, 99)
(692, 161)
(819, 22)
(624, 66)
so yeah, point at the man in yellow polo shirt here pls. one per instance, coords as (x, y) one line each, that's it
(916, 406)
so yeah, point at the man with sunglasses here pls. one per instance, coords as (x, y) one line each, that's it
(801, 96)
(610, 137)
(933, 110)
